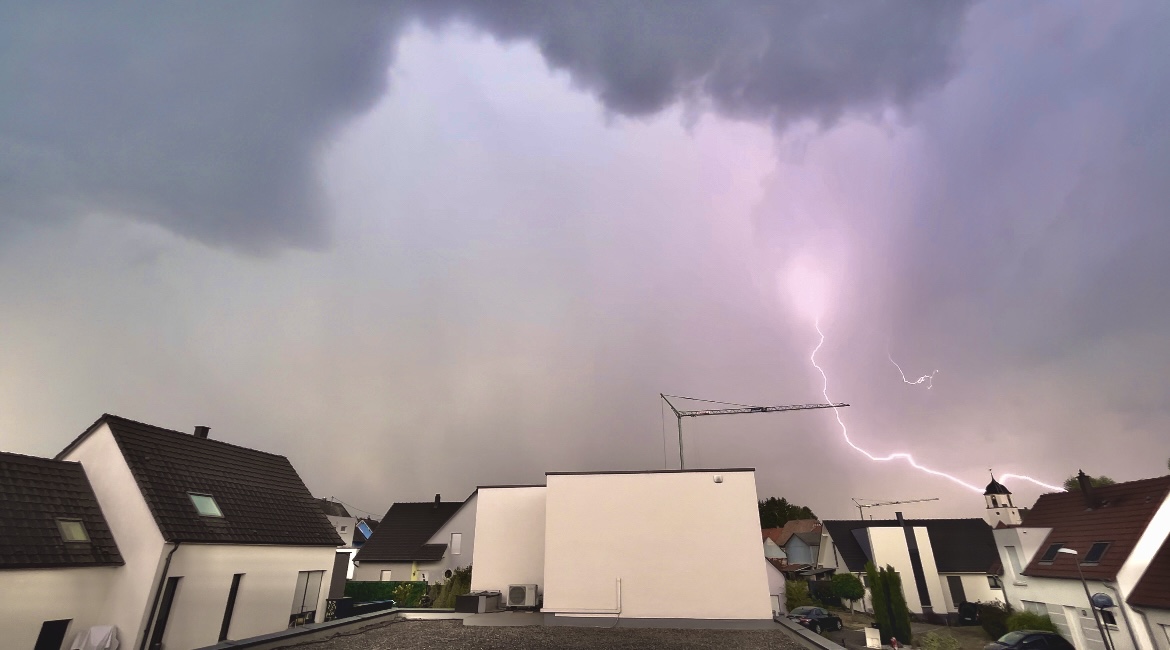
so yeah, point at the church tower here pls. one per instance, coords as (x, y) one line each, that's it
(999, 505)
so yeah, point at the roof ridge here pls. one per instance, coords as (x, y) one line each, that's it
(18, 456)
(156, 428)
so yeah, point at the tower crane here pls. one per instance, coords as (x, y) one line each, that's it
(730, 409)
(886, 503)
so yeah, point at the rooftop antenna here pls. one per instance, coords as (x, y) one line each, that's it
(860, 505)
(735, 409)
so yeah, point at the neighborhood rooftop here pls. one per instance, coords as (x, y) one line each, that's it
(403, 533)
(261, 497)
(38, 497)
(960, 545)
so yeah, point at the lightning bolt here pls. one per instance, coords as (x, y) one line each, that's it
(929, 379)
(899, 455)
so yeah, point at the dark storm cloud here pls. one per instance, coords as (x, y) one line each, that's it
(205, 119)
(209, 119)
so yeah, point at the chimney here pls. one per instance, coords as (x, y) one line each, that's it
(898, 516)
(436, 501)
(201, 432)
(1086, 485)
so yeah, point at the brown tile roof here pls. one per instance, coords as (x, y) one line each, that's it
(1121, 517)
(402, 534)
(772, 534)
(1153, 590)
(794, 526)
(34, 494)
(261, 496)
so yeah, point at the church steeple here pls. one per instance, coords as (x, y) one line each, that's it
(999, 504)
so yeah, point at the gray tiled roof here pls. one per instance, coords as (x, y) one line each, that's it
(333, 508)
(262, 498)
(402, 534)
(34, 493)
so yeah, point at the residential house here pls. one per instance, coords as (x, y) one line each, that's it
(1117, 536)
(772, 547)
(346, 526)
(942, 562)
(57, 554)
(776, 539)
(201, 541)
(803, 548)
(591, 544)
(419, 541)
(365, 530)
(777, 585)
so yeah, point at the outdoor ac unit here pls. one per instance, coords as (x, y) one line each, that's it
(521, 595)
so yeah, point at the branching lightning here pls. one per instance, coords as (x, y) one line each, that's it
(928, 379)
(899, 455)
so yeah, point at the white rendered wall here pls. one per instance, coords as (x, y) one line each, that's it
(776, 588)
(975, 587)
(889, 548)
(263, 602)
(132, 524)
(1158, 621)
(509, 538)
(463, 522)
(350, 523)
(367, 571)
(602, 527)
(29, 597)
(1139, 560)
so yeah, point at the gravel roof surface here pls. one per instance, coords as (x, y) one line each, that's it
(452, 635)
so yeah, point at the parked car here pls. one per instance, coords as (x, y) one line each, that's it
(815, 619)
(1030, 640)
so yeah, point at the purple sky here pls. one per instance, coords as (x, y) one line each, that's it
(424, 247)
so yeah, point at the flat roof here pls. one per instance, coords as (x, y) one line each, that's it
(656, 471)
(503, 487)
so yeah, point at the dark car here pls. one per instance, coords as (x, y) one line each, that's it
(1030, 640)
(815, 619)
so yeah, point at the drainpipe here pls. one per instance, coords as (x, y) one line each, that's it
(1121, 605)
(158, 589)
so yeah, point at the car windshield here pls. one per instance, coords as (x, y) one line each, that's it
(1012, 638)
(803, 611)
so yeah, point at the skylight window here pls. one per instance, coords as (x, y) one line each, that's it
(1095, 553)
(72, 530)
(1050, 554)
(206, 505)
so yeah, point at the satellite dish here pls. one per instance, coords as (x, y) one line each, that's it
(1101, 601)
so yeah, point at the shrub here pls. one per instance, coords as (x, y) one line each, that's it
(847, 586)
(993, 618)
(458, 584)
(409, 594)
(938, 641)
(1030, 621)
(796, 594)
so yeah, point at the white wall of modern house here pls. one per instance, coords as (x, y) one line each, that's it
(463, 525)
(367, 571)
(604, 528)
(1158, 625)
(976, 589)
(265, 597)
(509, 538)
(890, 548)
(30, 597)
(127, 602)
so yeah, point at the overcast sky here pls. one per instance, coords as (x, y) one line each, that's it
(420, 248)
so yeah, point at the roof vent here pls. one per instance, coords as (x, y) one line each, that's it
(201, 432)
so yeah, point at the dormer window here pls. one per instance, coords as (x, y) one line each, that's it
(72, 530)
(205, 504)
(1095, 553)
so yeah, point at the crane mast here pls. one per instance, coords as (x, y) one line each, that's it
(733, 409)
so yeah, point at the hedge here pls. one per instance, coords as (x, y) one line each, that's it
(368, 591)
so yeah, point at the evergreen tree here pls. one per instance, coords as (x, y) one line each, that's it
(774, 512)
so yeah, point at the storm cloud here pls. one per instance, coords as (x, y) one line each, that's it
(211, 120)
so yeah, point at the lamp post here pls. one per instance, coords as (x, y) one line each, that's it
(1077, 561)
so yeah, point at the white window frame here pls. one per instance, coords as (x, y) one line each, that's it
(386, 575)
(456, 543)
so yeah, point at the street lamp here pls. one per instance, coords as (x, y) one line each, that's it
(1077, 561)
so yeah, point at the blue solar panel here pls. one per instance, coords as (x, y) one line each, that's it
(365, 529)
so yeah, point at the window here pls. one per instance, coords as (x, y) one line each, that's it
(205, 504)
(1035, 607)
(308, 590)
(72, 530)
(1107, 617)
(1050, 554)
(231, 607)
(994, 582)
(386, 575)
(456, 543)
(1095, 553)
(343, 528)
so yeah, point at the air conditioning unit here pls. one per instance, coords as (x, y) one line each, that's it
(521, 595)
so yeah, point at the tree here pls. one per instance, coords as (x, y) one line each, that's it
(889, 604)
(847, 586)
(774, 512)
(1071, 484)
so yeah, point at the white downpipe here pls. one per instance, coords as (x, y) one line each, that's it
(617, 610)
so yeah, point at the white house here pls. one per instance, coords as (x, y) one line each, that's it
(633, 545)
(1116, 537)
(419, 541)
(346, 526)
(215, 542)
(942, 562)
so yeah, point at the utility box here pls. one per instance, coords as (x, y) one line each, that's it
(873, 638)
(478, 602)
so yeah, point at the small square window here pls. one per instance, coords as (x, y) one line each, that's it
(1095, 553)
(994, 582)
(343, 529)
(206, 505)
(72, 530)
(1050, 554)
